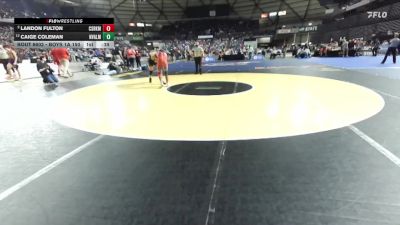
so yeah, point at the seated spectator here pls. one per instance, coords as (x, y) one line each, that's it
(274, 53)
(113, 68)
(220, 56)
(98, 53)
(294, 50)
(108, 55)
(46, 72)
(263, 53)
(304, 52)
(94, 63)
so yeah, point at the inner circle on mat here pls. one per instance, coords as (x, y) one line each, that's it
(209, 88)
(278, 105)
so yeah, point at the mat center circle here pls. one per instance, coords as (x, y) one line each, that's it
(277, 105)
(210, 88)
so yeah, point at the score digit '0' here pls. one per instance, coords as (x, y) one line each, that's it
(108, 27)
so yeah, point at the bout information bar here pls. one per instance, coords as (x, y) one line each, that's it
(64, 32)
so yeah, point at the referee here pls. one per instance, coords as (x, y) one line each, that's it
(198, 54)
(394, 44)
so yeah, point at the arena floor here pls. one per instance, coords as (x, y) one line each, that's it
(139, 154)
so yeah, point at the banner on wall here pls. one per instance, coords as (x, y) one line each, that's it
(158, 44)
(149, 35)
(308, 29)
(297, 30)
(285, 31)
(119, 38)
(252, 43)
(137, 36)
(264, 40)
(205, 37)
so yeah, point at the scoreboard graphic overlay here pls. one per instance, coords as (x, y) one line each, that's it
(64, 32)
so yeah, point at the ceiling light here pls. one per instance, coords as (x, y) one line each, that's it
(70, 2)
(271, 14)
(282, 13)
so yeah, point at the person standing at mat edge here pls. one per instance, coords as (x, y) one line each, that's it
(162, 67)
(394, 44)
(198, 54)
(376, 47)
(345, 47)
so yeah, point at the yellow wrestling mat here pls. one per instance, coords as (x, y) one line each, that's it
(277, 105)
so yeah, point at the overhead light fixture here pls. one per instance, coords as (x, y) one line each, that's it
(264, 15)
(149, 25)
(140, 24)
(130, 33)
(329, 11)
(272, 14)
(282, 13)
(131, 24)
(70, 2)
(309, 24)
(213, 13)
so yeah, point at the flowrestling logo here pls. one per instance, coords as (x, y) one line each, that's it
(379, 15)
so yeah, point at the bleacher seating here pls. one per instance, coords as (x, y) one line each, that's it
(360, 26)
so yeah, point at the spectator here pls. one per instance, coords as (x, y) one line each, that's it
(375, 47)
(345, 47)
(138, 58)
(113, 68)
(131, 56)
(274, 53)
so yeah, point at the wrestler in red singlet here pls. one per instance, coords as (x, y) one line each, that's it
(162, 66)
